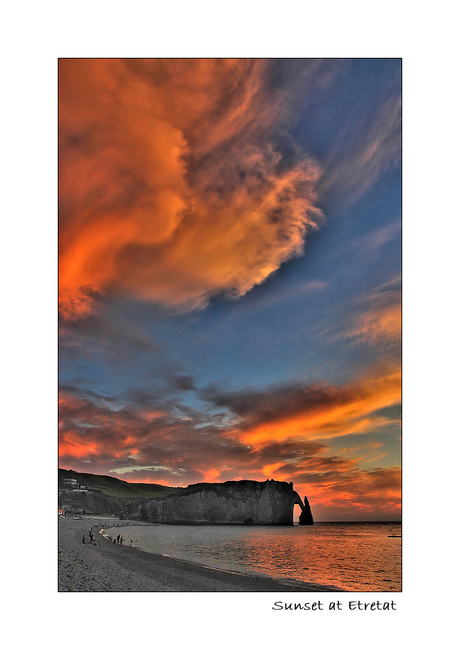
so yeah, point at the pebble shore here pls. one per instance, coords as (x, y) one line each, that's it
(110, 567)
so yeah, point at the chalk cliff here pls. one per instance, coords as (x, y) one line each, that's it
(233, 502)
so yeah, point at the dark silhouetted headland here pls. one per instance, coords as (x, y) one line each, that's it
(233, 502)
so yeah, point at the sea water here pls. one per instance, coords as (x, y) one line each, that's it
(350, 556)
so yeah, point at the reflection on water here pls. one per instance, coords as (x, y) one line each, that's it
(355, 557)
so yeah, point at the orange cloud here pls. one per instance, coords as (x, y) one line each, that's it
(211, 475)
(170, 189)
(71, 444)
(271, 471)
(378, 325)
(345, 412)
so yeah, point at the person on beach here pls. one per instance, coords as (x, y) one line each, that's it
(83, 540)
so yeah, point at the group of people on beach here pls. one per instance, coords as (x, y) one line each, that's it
(117, 540)
(91, 538)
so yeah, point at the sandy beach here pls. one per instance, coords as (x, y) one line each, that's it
(110, 567)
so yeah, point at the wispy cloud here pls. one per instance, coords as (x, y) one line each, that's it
(380, 325)
(351, 174)
(373, 318)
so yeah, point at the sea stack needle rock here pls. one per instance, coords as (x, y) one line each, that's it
(233, 502)
(306, 518)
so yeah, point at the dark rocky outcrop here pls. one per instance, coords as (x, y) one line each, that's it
(233, 502)
(306, 518)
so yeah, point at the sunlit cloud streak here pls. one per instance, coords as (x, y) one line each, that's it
(312, 412)
(380, 325)
(374, 319)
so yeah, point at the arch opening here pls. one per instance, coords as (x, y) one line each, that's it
(296, 513)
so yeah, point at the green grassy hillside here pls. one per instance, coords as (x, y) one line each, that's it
(115, 488)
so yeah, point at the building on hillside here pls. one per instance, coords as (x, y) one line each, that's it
(70, 483)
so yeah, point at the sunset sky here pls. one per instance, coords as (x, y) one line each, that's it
(230, 275)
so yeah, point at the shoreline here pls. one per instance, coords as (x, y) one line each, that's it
(110, 567)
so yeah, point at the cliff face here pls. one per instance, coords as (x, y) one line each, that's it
(233, 502)
(73, 501)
